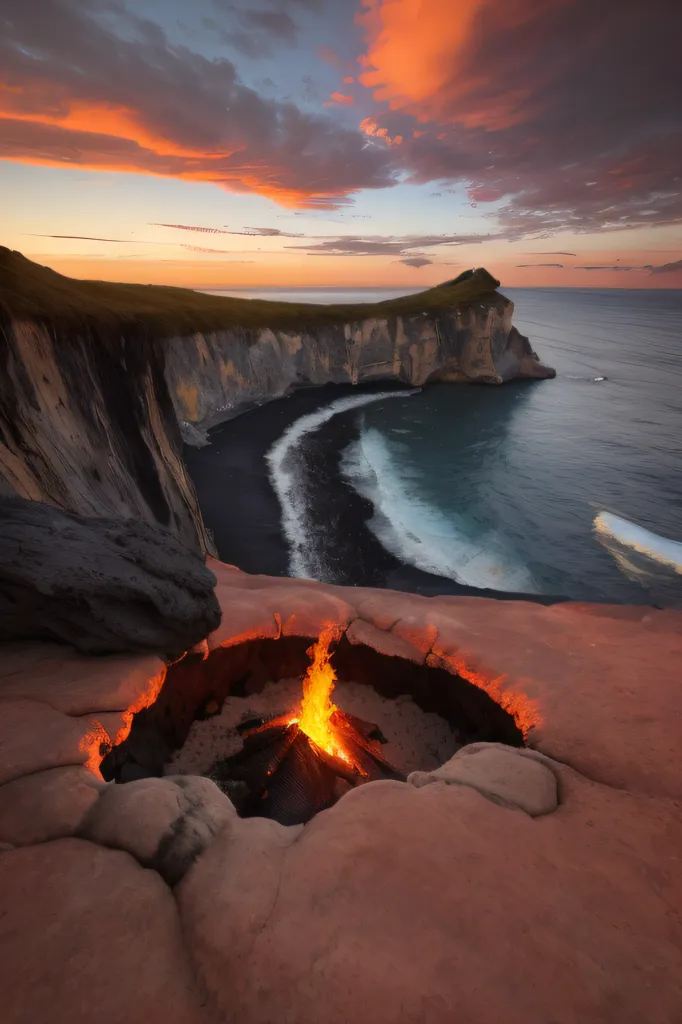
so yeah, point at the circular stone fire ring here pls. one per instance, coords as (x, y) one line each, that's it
(420, 714)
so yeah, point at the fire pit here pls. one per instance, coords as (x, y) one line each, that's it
(291, 766)
(258, 718)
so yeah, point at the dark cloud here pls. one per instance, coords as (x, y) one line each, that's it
(267, 233)
(618, 267)
(521, 266)
(668, 268)
(575, 125)
(131, 101)
(386, 245)
(278, 24)
(548, 254)
(193, 227)
(415, 261)
(90, 238)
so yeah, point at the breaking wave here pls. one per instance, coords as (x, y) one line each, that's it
(284, 461)
(617, 534)
(421, 535)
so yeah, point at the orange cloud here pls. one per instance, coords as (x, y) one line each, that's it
(337, 99)
(370, 127)
(349, 80)
(141, 105)
(417, 60)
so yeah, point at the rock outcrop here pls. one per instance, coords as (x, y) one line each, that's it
(102, 585)
(518, 885)
(97, 381)
(214, 376)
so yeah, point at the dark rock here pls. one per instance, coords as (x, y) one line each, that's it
(103, 585)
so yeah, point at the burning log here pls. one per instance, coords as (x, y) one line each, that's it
(297, 764)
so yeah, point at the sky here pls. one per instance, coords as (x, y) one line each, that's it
(350, 143)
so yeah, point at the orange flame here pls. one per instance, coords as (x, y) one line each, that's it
(316, 707)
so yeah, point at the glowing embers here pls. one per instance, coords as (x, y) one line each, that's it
(299, 763)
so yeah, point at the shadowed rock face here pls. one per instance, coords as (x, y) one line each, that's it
(102, 585)
(212, 377)
(86, 424)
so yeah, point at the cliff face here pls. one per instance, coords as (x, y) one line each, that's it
(86, 424)
(95, 387)
(214, 376)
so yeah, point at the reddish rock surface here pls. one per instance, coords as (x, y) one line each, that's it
(467, 897)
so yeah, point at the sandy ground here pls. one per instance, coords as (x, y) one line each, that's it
(417, 740)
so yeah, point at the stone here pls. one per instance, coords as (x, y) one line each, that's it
(501, 774)
(72, 683)
(87, 935)
(101, 585)
(381, 640)
(34, 737)
(46, 805)
(164, 823)
(401, 904)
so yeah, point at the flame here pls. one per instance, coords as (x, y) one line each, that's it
(316, 707)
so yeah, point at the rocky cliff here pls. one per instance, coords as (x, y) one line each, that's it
(213, 376)
(97, 379)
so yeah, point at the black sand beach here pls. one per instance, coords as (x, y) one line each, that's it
(242, 510)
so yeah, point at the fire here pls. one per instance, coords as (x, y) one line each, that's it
(316, 707)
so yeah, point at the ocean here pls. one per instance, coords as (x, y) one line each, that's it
(568, 488)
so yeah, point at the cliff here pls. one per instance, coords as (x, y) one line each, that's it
(97, 378)
(213, 376)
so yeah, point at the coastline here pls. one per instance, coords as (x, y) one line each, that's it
(242, 511)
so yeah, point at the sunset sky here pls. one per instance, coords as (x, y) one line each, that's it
(383, 143)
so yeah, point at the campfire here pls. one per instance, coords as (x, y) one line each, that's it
(298, 763)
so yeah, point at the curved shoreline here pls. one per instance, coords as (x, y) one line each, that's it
(242, 510)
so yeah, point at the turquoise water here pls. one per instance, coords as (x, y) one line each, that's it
(500, 487)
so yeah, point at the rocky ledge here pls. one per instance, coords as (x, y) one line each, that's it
(518, 885)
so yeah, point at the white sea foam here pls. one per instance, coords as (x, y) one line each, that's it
(421, 535)
(645, 542)
(281, 459)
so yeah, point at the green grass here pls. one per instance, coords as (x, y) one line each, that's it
(31, 292)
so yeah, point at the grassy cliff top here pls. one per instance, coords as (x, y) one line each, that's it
(29, 291)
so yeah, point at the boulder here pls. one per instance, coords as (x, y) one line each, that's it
(505, 775)
(164, 823)
(102, 585)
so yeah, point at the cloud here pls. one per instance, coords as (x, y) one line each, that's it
(90, 238)
(202, 249)
(370, 127)
(668, 268)
(337, 99)
(416, 261)
(385, 245)
(267, 233)
(278, 24)
(521, 266)
(193, 227)
(565, 111)
(619, 268)
(117, 96)
(348, 79)
(548, 254)
(330, 56)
